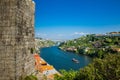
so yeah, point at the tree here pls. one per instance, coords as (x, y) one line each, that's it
(100, 69)
(70, 75)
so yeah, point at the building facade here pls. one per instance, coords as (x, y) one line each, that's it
(16, 39)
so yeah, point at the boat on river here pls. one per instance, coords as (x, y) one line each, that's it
(75, 60)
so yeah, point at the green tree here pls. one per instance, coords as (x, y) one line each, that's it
(70, 75)
(30, 77)
(100, 69)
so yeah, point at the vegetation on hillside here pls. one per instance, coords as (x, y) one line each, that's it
(44, 43)
(39, 43)
(30, 77)
(100, 69)
(93, 45)
(105, 49)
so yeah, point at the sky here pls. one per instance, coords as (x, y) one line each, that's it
(69, 19)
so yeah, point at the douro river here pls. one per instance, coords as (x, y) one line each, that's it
(63, 60)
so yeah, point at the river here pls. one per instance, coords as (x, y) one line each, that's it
(63, 60)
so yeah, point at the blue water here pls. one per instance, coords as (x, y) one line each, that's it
(63, 60)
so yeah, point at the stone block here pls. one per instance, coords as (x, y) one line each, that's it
(16, 38)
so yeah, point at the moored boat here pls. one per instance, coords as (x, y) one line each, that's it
(75, 60)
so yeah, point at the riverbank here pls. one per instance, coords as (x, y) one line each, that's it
(43, 67)
(63, 60)
(93, 45)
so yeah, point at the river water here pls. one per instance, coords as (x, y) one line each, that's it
(63, 60)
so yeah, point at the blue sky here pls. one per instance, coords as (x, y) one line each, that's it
(68, 19)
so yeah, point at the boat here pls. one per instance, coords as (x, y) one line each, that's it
(75, 60)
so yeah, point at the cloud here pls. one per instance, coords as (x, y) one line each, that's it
(79, 33)
(43, 34)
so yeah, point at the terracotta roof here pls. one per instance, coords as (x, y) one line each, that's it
(41, 65)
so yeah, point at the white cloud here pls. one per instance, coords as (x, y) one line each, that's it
(41, 34)
(79, 33)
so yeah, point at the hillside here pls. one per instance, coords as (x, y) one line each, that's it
(40, 43)
(94, 45)
(106, 65)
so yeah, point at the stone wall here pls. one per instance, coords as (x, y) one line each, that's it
(16, 39)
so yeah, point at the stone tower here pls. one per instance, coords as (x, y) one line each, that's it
(16, 39)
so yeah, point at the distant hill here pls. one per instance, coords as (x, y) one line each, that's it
(39, 42)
